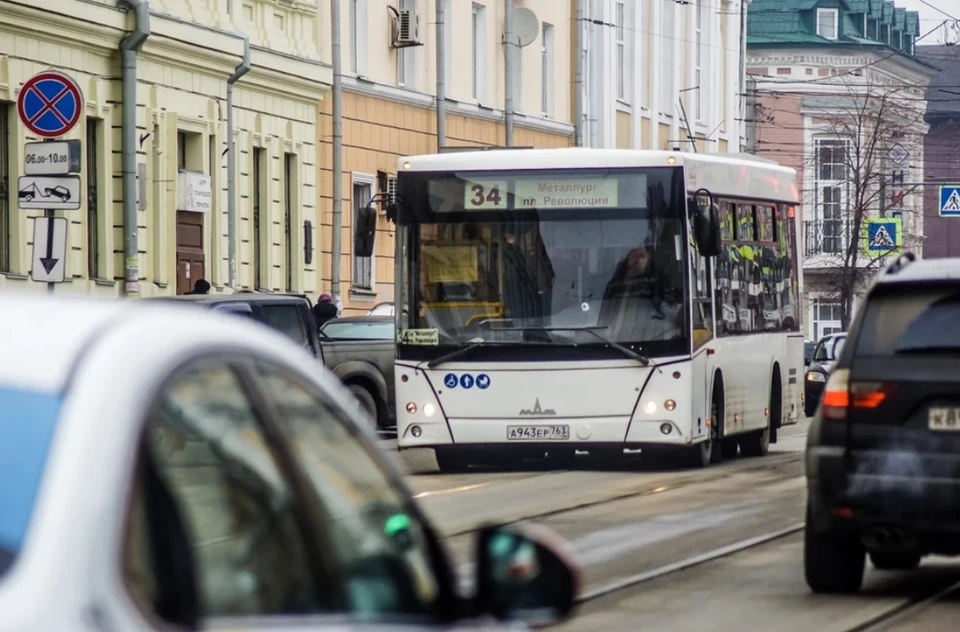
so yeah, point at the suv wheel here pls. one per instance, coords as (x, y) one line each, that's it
(832, 562)
(368, 405)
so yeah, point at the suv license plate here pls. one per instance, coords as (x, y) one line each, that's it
(944, 418)
(538, 433)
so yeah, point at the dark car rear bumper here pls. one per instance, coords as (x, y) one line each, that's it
(918, 494)
(812, 392)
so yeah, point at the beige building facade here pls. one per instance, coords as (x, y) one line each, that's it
(183, 67)
(390, 110)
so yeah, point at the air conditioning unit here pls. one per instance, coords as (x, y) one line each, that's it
(406, 29)
(391, 194)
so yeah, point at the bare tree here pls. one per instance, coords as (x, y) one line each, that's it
(856, 132)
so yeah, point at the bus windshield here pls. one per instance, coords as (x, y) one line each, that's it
(543, 261)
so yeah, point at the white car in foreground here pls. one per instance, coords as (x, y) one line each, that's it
(169, 468)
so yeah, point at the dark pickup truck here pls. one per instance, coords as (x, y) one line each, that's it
(359, 350)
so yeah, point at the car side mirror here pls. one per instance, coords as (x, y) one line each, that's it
(525, 574)
(705, 221)
(365, 232)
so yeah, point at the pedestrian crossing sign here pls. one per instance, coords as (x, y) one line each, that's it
(882, 235)
(950, 200)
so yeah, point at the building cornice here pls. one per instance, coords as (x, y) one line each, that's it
(91, 26)
(293, 77)
(410, 97)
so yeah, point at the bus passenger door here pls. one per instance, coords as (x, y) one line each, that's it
(704, 330)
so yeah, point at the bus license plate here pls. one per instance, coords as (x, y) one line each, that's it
(538, 433)
(945, 419)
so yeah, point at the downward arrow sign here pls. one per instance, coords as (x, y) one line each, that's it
(48, 262)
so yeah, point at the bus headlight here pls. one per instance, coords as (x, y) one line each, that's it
(670, 405)
(429, 409)
(411, 408)
(650, 407)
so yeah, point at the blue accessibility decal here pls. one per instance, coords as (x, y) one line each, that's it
(450, 380)
(466, 380)
(483, 381)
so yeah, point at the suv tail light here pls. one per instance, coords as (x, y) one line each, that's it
(840, 395)
(836, 396)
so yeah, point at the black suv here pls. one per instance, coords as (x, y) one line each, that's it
(883, 451)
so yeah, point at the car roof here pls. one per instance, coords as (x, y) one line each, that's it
(237, 297)
(904, 271)
(50, 335)
(366, 318)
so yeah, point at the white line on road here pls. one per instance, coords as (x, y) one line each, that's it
(452, 490)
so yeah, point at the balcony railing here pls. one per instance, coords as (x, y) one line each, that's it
(825, 237)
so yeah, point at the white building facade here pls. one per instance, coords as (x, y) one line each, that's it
(662, 74)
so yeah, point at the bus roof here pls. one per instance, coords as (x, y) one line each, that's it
(734, 175)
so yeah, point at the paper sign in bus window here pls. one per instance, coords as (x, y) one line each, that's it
(451, 264)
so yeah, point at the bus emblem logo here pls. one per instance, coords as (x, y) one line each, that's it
(537, 410)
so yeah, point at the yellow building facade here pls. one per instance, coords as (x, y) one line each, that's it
(183, 67)
(389, 110)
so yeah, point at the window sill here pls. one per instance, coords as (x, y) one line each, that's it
(363, 294)
(16, 277)
(103, 282)
(161, 285)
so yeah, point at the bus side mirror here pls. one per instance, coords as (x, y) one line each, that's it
(706, 223)
(365, 232)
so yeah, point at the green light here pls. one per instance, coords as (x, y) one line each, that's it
(396, 523)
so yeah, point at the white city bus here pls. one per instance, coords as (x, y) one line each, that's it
(594, 300)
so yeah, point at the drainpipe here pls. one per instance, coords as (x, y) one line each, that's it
(128, 58)
(509, 50)
(336, 245)
(240, 71)
(578, 74)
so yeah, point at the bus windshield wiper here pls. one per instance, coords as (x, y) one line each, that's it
(630, 353)
(453, 355)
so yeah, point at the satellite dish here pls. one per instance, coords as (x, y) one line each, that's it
(526, 26)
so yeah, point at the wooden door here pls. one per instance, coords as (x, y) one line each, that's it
(191, 264)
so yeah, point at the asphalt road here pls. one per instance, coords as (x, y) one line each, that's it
(633, 520)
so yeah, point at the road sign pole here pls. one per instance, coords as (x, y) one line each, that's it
(49, 215)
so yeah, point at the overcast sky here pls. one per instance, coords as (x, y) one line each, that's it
(930, 17)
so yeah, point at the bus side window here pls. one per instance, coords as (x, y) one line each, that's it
(727, 221)
(765, 223)
(745, 230)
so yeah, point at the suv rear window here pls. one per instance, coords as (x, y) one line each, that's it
(911, 320)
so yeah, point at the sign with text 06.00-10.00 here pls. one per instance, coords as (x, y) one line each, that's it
(540, 193)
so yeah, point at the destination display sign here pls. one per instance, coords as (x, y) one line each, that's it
(552, 192)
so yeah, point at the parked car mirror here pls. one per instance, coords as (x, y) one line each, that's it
(525, 574)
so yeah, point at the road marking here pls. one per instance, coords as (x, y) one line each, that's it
(452, 490)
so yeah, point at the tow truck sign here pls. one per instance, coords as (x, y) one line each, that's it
(38, 193)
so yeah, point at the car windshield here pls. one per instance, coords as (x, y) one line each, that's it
(536, 258)
(829, 349)
(26, 431)
(911, 320)
(359, 330)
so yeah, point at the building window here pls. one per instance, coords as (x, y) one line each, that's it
(406, 57)
(358, 36)
(620, 17)
(546, 70)
(699, 61)
(667, 42)
(93, 198)
(826, 317)
(289, 164)
(828, 232)
(6, 110)
(257, 194)
(182, 151)
(362, 266)
(827, 23)
(479, 52)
